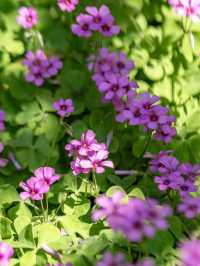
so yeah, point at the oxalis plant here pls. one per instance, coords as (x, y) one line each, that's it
(99, 133)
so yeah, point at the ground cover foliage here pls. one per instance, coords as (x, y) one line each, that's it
(120, 167)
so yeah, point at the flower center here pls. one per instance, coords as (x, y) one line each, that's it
(85, 27)
(105, 27)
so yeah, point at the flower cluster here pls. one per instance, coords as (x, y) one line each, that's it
(6, 252)
(2, 119)
(3, 161)
(27, 17)
(189, 206)
(176, 176)
(94, 19)
(173, 174)
(187, 8)
(64, 107)
(190, 253)
(40, 67)
(68, 5)
(119, 260)
(136, 219)
(111, 74)
(89, 155)
(39, 184)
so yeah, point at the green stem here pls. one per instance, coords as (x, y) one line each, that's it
(95, 182)
(47, 207)
(43, 211)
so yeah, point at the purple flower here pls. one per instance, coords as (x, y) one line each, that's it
(37, 67)
(190, 253)
(135, 219)
(103, 63)
(165, 133)
(98, 16)
(82, 28)
(109, 205)
(189, 206)
(54, 66)
(187, 8)
(145, 262)
(3, 162)
(113, 86)
(46, 174)
(40, 67)
(95, 20)
(27, 17)
(186, 186)
(108, 29)
(2, 119)
(155, 116)
(190, 171)
(64, 107)
(111, 75)
(170, 181)
(122, 65)
(6, 252)
(169, 165)
(34, 189)
(155, 163)
(114, 260)
(68, 5)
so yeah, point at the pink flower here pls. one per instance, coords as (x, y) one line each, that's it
(33, 189)
(46, 174)
(89, 155)
(6, 252)
(97, 162)
(86, 145)
(68, 5)
(187, 8)
(27, 17)
(39, 184)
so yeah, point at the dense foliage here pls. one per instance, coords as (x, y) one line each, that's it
(99, 133)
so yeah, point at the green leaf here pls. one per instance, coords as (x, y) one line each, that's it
(77, 206)
(161, 242)
(5, 228)
(94, 246)
(73, 225)
(136, 193)
(115, 180)
(8, 194)
(186, 48)
(29, 258)
(154, 71)
(114, 189)
(21, 222)
(176, 227)
(47, 233)
(26, 236)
